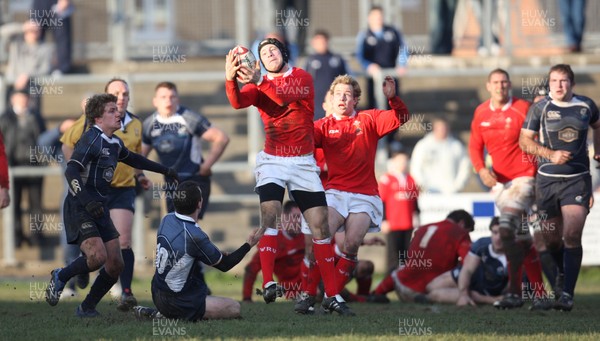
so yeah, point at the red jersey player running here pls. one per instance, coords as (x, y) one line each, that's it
(496, 127)
(285, 99)
(434, 249)
(349, 142)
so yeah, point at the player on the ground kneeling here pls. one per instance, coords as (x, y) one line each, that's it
(178, 288)
(481, 278)
(434, 249)
(86, 214)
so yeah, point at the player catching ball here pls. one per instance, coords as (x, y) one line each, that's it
(285, 99)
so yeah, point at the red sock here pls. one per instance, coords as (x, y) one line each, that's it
(386, 285)
(533, 269)
(343, 270)
(267, 248)
(363, 285)
(356, 298)
(324, 257)
(313, 279)
(304, 274)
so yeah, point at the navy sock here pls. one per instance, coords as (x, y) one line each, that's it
(127, 273)
(572, 266)
(548, 267)
(76, 267)
(558, 256)
(101, 286)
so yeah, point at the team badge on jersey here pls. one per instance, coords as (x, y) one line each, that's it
(568, 135)
(165, 146)
(108, 174)
(553, 115)
(357, 130)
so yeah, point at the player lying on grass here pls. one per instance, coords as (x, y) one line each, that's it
(482, 278)
(178, 287)
(434, 249)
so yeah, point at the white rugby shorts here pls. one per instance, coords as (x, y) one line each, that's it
(294, 172)
(517, 194)
(346, 202)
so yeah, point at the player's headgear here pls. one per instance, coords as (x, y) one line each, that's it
(284, 51)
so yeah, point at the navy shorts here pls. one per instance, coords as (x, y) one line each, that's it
(181, 307)
(553, 193)
(79, 224)
(121, 197)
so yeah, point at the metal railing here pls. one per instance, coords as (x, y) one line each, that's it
(8, 218)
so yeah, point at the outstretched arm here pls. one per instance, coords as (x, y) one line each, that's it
(229, 261)
(137, 161)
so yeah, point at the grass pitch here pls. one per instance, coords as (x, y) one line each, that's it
(24, 315)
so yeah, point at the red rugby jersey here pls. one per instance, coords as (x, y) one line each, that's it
(434, 249)
(400, 200)
(350, 144)
(498, 130)
(286, 106)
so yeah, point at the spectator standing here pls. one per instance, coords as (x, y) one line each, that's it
(323, 65)
(29, 60)
(572, 13)
(439, 162)
(379, 49)
(55, 16)
(441, 22)
(21, 132)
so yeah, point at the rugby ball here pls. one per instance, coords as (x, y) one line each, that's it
(246, 57)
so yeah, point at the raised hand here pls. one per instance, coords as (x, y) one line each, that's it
(232, 65)
(389, 87)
